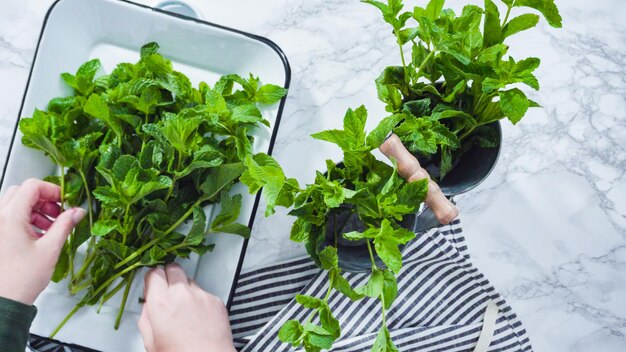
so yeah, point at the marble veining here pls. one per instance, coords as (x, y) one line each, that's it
(548, 228)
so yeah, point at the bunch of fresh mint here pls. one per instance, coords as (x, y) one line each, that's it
(459, 78)
(145, 151)
(363, 185)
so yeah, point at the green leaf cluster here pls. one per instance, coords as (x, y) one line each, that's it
(146, 151)
(361, 186)
(459, 77)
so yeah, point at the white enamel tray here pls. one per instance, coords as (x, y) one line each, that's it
(113, 31)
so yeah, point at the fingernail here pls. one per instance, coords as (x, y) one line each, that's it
(78, 215)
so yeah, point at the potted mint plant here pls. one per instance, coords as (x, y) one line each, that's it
(359, 208)
(458, 82)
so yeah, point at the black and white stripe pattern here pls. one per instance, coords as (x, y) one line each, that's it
(440, 306)
(42, 344)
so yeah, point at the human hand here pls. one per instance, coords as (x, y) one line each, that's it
(179, 316)
(27, 256)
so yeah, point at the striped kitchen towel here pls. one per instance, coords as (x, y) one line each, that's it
(443, 304)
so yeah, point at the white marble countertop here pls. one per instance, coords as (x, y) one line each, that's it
(548, 228)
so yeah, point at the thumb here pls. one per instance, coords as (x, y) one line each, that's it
(61, 228)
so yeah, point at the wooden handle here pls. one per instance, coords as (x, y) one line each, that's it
(411, 170)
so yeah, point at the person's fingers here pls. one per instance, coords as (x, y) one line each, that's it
(32, 191)
(176, 274)
(8, 194)
(145, 329)
(155, 283)
(61, 227)
(51, 209)
(40, 221)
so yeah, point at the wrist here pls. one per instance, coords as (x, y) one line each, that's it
(17, 295)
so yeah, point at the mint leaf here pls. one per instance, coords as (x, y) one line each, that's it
(248, 113)
(492, 31)
(221, 179)
(333, 136)
(518, 24)
(181, 133)
(417, 108)
(154, 256)
(493, 53)
(374, 286)
(309, 302)
(424, 135)
(108, 197)
(270, 94)
(547, 8)
(243, 144)
(230, 208)
(300, 231)
(329, 258)
(329, 322)
(355, 235)
(263, 171)
(383, 342)
(413, 193)
(233, 228)
(335, 194)
(380, 133)
(97, 107)
(433, 9)
(446, 162)
(316, 329)
(61, 268)
(42, 142)
(392, 182)
(387, 247)
(390, 288)
(225, 221)
(149, 49)
(514, 104)
(342, 285)
(291, 332)
(197, 232)
(319, 341)
(148, 187)
(204, 158)
(215, 103)
(354, 126)
(82, 82)
(352, 137)
(88, 70)
(104, 227)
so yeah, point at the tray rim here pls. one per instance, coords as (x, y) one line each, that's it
(276, 126)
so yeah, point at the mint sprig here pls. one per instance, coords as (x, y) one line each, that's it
(460, 77)
(146, 151)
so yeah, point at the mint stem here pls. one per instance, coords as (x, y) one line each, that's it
(419, 70)
(129, 282)
(86, 263)
(369, 249)
(406, 71)
(88, 193)
(112, 278)
(60, 326)
(508, 13)
(110, 294)
(158, 238)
